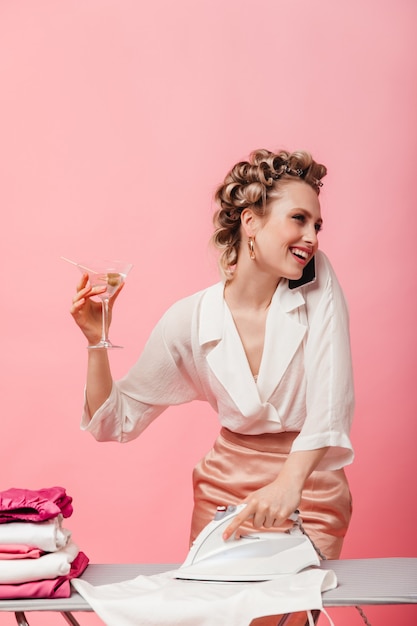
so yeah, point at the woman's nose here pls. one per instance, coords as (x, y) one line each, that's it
(310, 235)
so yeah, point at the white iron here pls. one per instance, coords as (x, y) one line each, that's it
(252, 557)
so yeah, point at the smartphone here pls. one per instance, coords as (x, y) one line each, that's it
(309, 276)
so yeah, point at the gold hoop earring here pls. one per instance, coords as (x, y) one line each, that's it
(251, 248)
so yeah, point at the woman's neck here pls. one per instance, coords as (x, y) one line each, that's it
(252, 290)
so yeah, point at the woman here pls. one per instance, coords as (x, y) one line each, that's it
(268, 348)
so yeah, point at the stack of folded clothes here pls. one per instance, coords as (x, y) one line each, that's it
(37, 555)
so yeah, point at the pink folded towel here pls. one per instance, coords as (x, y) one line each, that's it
(59, 587)
(18, 551)
(49, 565)
(29, 505)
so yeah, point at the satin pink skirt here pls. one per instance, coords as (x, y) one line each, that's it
(238, 464)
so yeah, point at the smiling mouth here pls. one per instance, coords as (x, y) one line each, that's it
(302, 255)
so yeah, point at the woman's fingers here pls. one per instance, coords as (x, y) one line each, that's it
(86, 310)
(261, 518)
(76, 305)
(116, 294)
(83, 282)
(266, 508)
(85, 290)
(238, 521)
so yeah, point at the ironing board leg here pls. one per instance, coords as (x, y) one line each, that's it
(70, 618)
(316, 615)
(21, 618)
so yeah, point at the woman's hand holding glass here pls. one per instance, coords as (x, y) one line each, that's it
(87, 312)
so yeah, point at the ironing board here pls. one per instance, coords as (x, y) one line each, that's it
(360, 582)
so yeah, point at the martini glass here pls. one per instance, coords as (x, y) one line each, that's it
(108, 273)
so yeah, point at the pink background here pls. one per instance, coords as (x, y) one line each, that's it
(118, 119)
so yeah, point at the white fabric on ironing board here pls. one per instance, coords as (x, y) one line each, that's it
(162, 600)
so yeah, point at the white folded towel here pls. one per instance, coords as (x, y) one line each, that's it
(162, 600)
(48, 536)
(48, 566)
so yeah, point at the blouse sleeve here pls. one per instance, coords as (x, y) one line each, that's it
(329, 393)
(164, 375)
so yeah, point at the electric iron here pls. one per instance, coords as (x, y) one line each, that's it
(255, 556)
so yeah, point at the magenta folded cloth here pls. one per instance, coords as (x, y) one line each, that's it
(59, 587)
(27, 505)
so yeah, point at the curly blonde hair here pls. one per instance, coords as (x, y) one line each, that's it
(251, 184)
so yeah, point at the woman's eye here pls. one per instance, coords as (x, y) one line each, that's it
(303, 219)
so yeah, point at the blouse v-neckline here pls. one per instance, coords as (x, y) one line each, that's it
(255, 378)
(225, 354)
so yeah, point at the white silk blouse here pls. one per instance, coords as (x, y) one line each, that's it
(304, 384)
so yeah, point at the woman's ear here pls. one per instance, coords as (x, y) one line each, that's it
(249, 221)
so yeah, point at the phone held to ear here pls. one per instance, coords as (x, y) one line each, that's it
(309, 276)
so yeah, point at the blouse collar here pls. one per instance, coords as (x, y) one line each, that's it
(226, 358)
